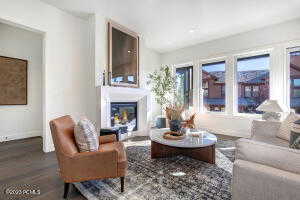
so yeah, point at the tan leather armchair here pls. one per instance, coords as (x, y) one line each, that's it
(109, 161)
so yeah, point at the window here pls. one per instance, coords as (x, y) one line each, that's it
(253, 82)
(213, 85)
(295, 80)
(255, 91)
(296, 93)
(184, 79)
(248, 91)
(251, 91)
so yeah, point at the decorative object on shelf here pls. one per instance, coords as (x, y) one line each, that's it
(123, 56)
(171, 135)
(13, 81)
(271, 110)
(163, 84)
(295, 135)
(103, 78)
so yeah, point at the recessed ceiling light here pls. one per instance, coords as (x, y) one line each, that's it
(129, 51)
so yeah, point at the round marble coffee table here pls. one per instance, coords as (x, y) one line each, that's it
(200, 148)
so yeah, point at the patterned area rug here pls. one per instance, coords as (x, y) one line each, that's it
(167, 178)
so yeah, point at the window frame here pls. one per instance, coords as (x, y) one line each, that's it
(231, 103)
(236, 57)
(191, 64)
(288, 90)
(188, 85)
(211, 61)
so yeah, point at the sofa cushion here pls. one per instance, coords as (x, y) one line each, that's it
(266, 154)
(253, 181)
(86, 136)
(272, 140)
(286, 126)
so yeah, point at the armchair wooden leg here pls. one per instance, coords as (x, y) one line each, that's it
(122, 184)
(66, 190)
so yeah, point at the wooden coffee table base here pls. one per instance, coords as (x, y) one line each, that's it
(206, 154)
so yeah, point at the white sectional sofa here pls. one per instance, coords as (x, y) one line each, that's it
(265, 168)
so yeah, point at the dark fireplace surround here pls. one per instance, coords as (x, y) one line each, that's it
(124, 115)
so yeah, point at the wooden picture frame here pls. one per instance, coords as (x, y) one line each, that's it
(13, 81)
(123, 56)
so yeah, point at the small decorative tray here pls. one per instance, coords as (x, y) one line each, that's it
(173, 136)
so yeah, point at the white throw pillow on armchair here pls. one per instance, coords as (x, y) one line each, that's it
(86, 136)
(286, 126)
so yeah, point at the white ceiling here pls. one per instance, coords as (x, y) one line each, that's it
(168, 25)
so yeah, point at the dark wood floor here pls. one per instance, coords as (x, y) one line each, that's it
(24, 162)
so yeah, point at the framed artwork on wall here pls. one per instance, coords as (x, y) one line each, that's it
(123, 56)
(13, 81)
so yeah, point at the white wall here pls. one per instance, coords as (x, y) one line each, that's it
(66, 58)
(24, 120)
(74, 57)
(149, 61)
(274, 38)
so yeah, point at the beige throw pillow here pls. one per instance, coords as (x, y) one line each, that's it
(86, 136)
(286, 126)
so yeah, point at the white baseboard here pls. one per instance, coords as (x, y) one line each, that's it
(22, 135)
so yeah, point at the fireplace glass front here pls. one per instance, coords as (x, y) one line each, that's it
(124, 115)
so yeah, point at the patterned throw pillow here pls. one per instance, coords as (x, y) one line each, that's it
(286, 126)
(86, 136)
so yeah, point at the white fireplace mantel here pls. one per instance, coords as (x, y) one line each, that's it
(122, 94)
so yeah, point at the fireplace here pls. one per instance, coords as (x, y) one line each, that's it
(124, 115)
(141, 98)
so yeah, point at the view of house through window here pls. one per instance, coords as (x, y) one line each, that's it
(184, 78)
(253, 82)
(213, 85)
(295, 80)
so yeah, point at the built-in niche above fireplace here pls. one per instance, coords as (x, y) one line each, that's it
(124, 115)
